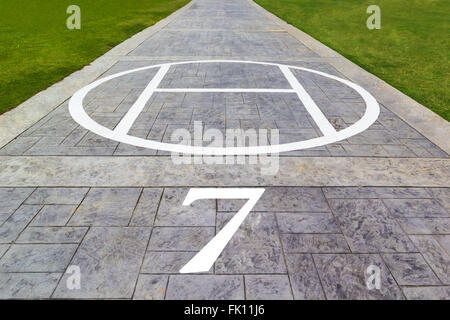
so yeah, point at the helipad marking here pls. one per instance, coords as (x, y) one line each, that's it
(330, 136)
(317, 115)
(127, 121)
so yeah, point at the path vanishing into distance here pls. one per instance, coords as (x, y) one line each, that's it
(363, 180)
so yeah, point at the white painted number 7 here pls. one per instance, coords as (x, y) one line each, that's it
(204, 260)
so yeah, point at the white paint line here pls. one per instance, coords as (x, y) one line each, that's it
(317, 115)
(257, 90)
(127, 121)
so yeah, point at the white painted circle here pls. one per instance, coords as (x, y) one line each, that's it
(78, 113)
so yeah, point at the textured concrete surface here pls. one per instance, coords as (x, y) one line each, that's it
(71, 198)
(286, 249)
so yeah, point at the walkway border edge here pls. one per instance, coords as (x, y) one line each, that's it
(93, 171)
(432, 126)
(17, 120)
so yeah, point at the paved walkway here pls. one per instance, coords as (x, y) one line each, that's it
(69, 197)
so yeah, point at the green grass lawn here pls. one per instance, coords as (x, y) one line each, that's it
(37, 49)
(410, 51)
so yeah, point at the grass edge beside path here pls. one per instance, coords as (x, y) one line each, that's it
(412, 43)
(37, 50)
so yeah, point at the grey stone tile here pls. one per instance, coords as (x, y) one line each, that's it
(304, 277)
(12, 227)
(11, 199)
(74, 137)
(205, 287)
(57, 196)
(376, 137)
(314, 243)
(344, 276)
(44, 143)
(56, 127)
(368, 227)
(165, 262)
(71, 151)
(336, 150)
(365, 150)
(415, 208)
(52, 235)
(415, 146)
(397, 127)
(307, 223)
(398, 151)
(425, 225)
(245, 260)
(129, 150)
(18, 146)
(180, 238)
(27, 285)
(3, 248)
(283, 199)
(54, 215)
(37, 257)
(268, 287)
(410, 269)
(427, 293)
(444, 241)
(106, 207)
(172, 213)
(424, 148)
(435, 255)
(93, 140)
(254, 248)
(145, 211)
(375, 193)
(442, 195)
(109, 259)
(150, 287)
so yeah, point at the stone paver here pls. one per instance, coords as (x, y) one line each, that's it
(314, 243)
(11, 228)
(368, 226)
(352, 267)
(410, 269)
(307, 223)
(263, 287)
(115, 210)
(3, 248)
(11, 199)
(151, 287)
(435, 255)
(52, 235)
(61, 196)
(427, 293)
(37, 257)
(318, 255)
(27, 285)
(205, 287)
(145, 212)
(304, 278)
(54, 215)
(109, 260)
(106, 207)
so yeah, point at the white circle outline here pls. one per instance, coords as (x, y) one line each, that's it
(81, 117)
